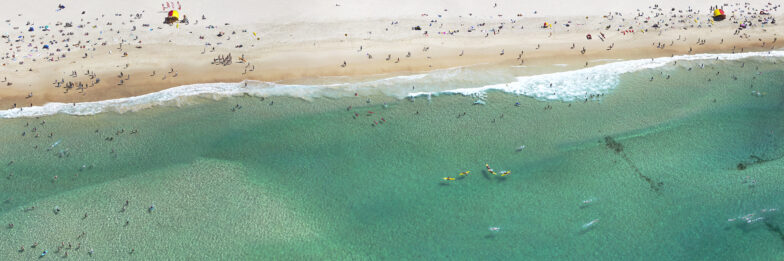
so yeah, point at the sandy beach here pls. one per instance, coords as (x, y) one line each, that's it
(128, 50)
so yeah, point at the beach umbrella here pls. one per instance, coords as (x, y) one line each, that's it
(172, 17)
(718, 14)
(174, 13)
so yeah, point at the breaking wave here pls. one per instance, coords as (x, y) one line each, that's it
(579, 84)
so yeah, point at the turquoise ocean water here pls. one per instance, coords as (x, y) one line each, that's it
(665, 166)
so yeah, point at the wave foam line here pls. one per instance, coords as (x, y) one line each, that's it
(579, 84)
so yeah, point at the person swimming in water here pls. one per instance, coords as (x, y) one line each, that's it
(590, 224)
(587, 202)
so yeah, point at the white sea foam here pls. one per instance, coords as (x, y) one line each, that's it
(566, 86)
(577, 84)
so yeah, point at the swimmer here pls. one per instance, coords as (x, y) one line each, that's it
(590, 224)
(54, 145)
(587, 202)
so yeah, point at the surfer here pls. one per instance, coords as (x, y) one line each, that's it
(489, 169)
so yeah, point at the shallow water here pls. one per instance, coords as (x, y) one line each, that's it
(310, 180)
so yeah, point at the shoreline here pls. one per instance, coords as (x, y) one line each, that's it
(200, 75)
(219, 90)
(157, 65)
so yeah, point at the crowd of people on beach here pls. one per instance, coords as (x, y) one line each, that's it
(28, 44)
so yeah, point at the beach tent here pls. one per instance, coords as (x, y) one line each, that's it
(46, 46)
(718, 14)
(31, 29)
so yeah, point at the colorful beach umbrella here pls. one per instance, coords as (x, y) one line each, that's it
(174, 13)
